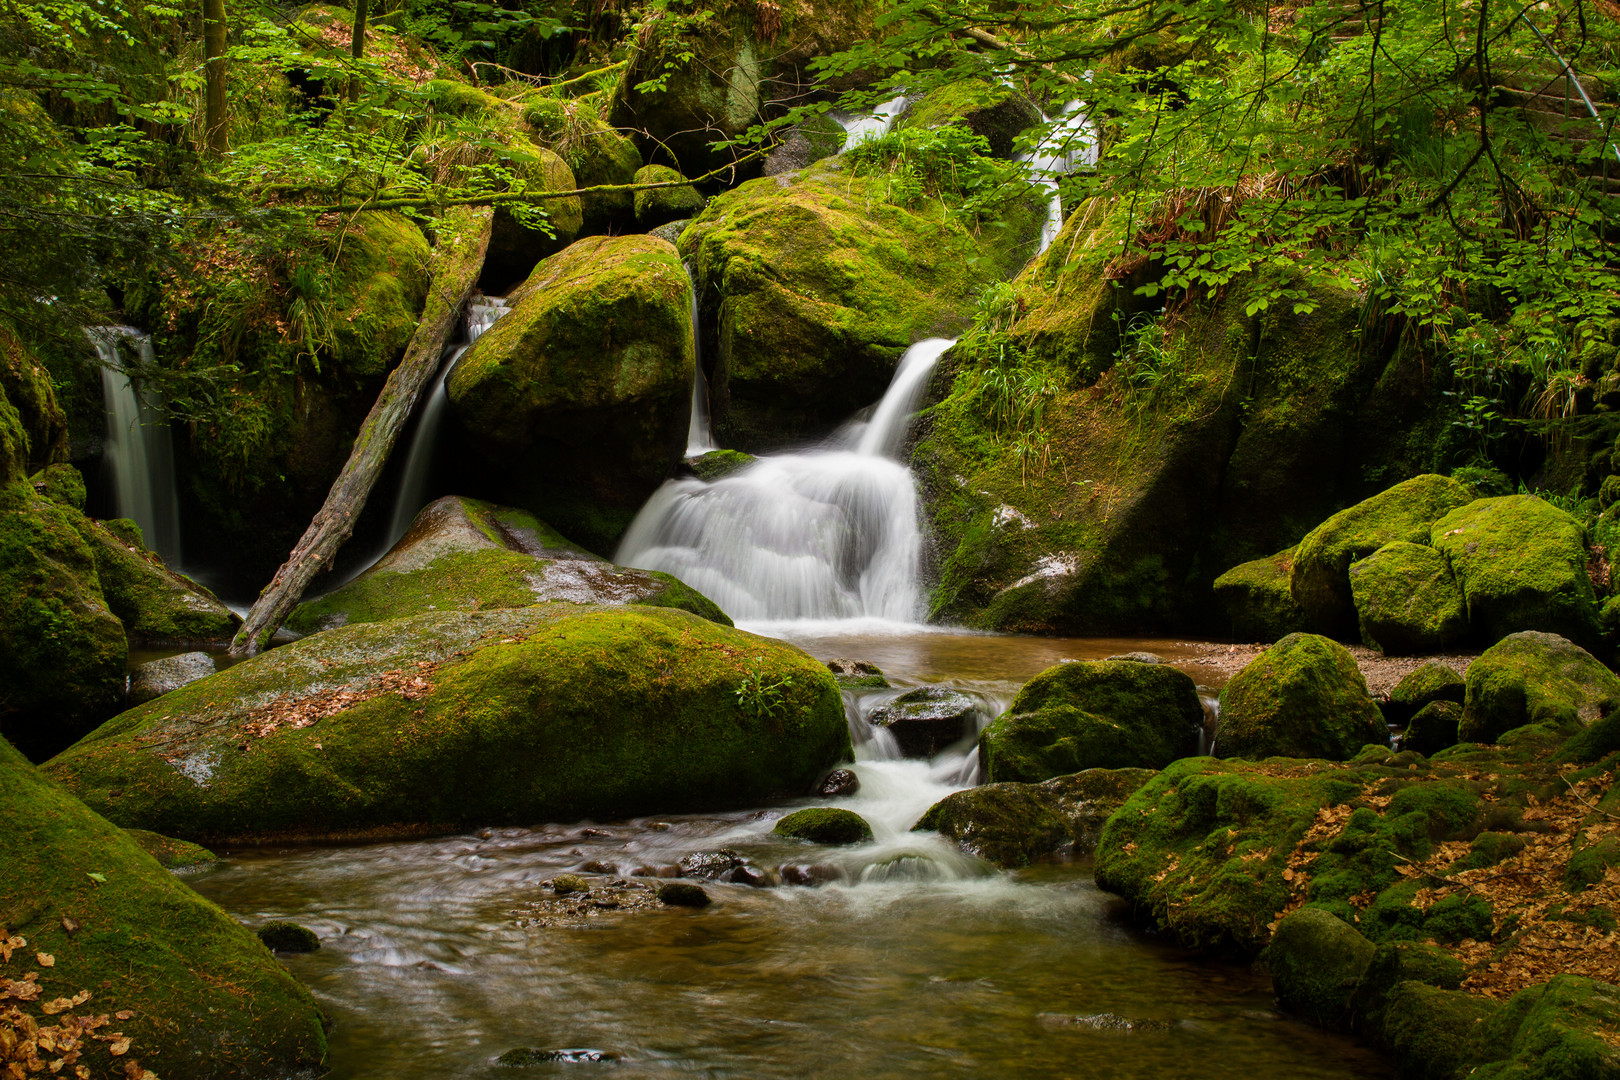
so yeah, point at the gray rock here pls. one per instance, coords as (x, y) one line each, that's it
(926, 720)
(839, 782)
(671, 231)
(157, 677)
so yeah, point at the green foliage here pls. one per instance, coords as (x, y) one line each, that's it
(763, 694)
(949, 164)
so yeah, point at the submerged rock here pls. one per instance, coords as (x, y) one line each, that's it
(825, 825)
(1303, 697)
(1535, 678)
(683, 894)
(463, 554)
(523, 1055)
(926, 720)
(288, 937)
(857, 674)
(1406, 601)
(155, 678)
(717, 464)
(449, 719)
(1013, 825)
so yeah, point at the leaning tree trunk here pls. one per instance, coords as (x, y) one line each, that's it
(457, 262)
(214, 76)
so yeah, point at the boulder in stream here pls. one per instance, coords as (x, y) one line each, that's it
(926, 720)
(857, 674)
(452, 719)
(1303, 697)
(825, 825)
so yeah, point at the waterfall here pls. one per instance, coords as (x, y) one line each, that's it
(698, 439)
(413, 485)
(140, 452)
(827, 533)
(875, 125)
(1069, 144)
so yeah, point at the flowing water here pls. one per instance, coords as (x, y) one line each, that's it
(139, 454)
(873, 125)
(698, 439)
(1069, 144)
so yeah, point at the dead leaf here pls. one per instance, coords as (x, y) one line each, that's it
(45, 959)
(124, 1014)
(119, 1046)
(56, 1005)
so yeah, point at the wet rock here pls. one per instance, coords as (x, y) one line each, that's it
(683, 894)
(170, 853)
(714, 865)
(1138, 658)
(825, 825)
(718, 464)
(157, 677)
(288, 937)
(1535, 678)
(752, 876)
(1435, 728)
(597, 867)
(1316, 960)
(605, 897)
(804, 144)
(1406, 600)
(523, 1055)
(857, 674)
(1433, 681)
(1013, 825)
(926, 720)
(809, 875)
(1257, 601)
(839, 782)
(1107, 1024)
(1303, 697)
(563, 884)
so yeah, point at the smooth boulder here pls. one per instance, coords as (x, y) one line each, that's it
(1316, 960)
(1255, 599)
(1435, 727)
(155, 678)
(1536, 678)
(452, 719)
(1432, 682)
(1406, 601)
(1013, 825)
(1303, 697)
(825, 825)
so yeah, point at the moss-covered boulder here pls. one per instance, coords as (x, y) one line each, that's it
(1316, 960)
(857, 674)
(172, 854)
(1013, 825)
(1320, 578)
(719, 463)
(105, 932)
(575, 403)
(156, 605)
(1396, 962)
(1303, 697)
(1256, 602)
(1536, 678)
(992, 110)
(804, 144)
(1406, 601)
(658, 206)
(516, 244)
(1099, 714)
(824, 825)
(466, 555)
(1561, 1030)
(926, 720)
(1433, 681)
(33, 427)
(450, 719)
(1435, 727)
(62, 650)
(812, 285)
(595, 153)
(1521, 564)
(1436, 1033)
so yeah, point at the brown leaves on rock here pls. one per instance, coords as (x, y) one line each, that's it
(31, 1046)
(307, 711)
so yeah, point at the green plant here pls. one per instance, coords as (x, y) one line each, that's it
(762, 696)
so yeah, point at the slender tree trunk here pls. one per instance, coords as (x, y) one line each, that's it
(214, 66)
(457, 262)
(357, 44)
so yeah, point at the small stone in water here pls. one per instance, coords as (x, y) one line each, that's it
(800, 874)
(1140, 658)
(749, 874)
(839, 782)
(711, 864)
(563, 884)
(523, 1055)
(598, 867)
(1110, 1023)
(683, 894)
(288, 937)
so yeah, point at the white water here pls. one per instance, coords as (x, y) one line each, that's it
(698, 439)
(140, 453)
(829, 533)
(875, 125)
(1067, 145)
(413, 486)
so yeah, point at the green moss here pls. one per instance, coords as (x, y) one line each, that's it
(991, 110)
(1013, 825)
(171, 854)
(156, 605)
(1406, 601)
(596, 154)
(825, 825)
(207, 998)
(1535, 678)
(1434, 728)
(1554, 1032)
(1432, 682)
(450, 719)
(33, 427)
(460, 99)
(1433, 1032)
(1255, 598)
(516, 245)
(1303, 697)
(1488, 849)
(657, 206)
(1316, 960)
(62, 484)
(717, 464)
(1320, 579)
(1392, 964)
(281, 936)
(1521, 563)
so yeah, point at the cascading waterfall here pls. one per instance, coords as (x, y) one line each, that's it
(1069, 144)
(698, 439)
(140, 452)
(829, 533)
(874, 125)
(413, 485)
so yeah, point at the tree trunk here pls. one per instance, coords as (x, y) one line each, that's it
(457, 262)
(357, 44)
(214, 56)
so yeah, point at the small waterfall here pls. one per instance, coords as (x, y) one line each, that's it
(698, 439)
(830, 533)
(1069, 144)
(140, 451)
(875, 125)
(413, 486)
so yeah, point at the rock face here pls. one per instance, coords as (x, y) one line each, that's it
(1535, 678)
(575, 403)
(207, 999)
(156, 605)
(450, 719)
(1013, 825)
(1316, 960)
(155, 678)
(926, 720)
(1255, 599)
(1406, 601)
(812, 285)
(1100, 714)
(1320, 579)
(659, 206)
(1521, 564)
(1303, 697)
(463, 554)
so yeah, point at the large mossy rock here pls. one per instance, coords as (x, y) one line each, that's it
(1406, 600)
(466, 555)
(1521, 564)
(992, 110)
(1320, 579)
(156, 605)
(1255, 599)
(1303, 697)
(575, 404)
(1098, 714)
(1013, 825)
(660, 206)
(1536, 678)
(193, 992)
(1316, 960)
(812, 285)
(515, 246)
(451, 719)
(1561, 1030)
(1436, 1033)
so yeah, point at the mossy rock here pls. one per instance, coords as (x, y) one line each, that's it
(460, 99)
(718, 464)
(804, 144)
(1320, 578)
(446, 720)
(596, 154)
(62, 484)
(172, 854)
(992, 110)
(1560, 1030)
(33, 427)
(288, 937)
(1108, 714)
(1435, 727)
(575, 404)
(1014, 825)
(1255, 599)
(207, 999)
(1433, 681)
(466, 555)
(825, 825)
(156, 605)
(1535, 678)
(656, 206)
(1303, 697)
(928, 719)
(516, 246)
(62, 650)
(1435, 1033)
(1521, 564)
(1406, 601)
(1394, 963)
(1316, 960)
(857, 674)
